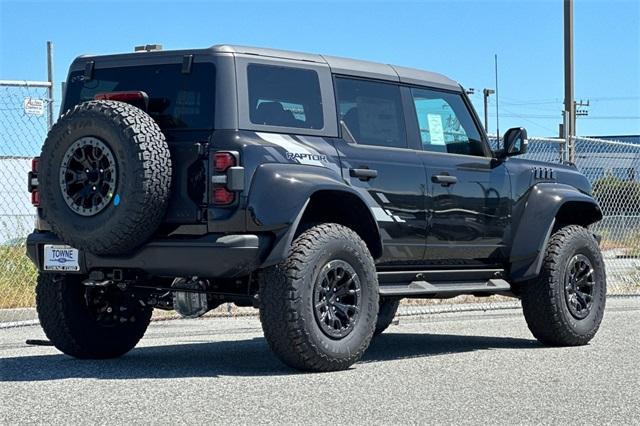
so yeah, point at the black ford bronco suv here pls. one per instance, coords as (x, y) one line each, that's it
(320, 190)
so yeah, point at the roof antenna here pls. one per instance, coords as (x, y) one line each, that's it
(495, 57)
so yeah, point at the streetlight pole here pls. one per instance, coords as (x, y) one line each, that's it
(486, 93)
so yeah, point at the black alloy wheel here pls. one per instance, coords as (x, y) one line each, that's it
(88, 176)
(337, 298)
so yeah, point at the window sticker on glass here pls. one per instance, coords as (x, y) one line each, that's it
(435, 129)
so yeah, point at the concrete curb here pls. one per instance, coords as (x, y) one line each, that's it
(403, 311)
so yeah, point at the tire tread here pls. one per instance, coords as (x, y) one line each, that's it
(283, 326)
(540, 298)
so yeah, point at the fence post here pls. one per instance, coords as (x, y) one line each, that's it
(50, 80)
(571, 148)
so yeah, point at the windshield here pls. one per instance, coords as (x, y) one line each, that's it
(176, 100)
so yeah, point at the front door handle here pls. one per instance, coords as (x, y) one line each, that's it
(444, 180)
(363, 174)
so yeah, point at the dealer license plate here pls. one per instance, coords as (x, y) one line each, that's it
(60, 258)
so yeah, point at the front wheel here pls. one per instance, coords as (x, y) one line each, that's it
(89, 322)
(318, 308)
(565, 305)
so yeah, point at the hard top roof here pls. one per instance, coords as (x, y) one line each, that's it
(346, 66)
(349, 66)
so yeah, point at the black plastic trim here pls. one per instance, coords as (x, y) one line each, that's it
(211, 256)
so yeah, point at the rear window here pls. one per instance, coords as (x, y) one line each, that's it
(284, 96)
(176, 100)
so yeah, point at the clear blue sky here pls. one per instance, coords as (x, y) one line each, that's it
(457, 38)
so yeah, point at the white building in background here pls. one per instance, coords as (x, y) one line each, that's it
(17, 215)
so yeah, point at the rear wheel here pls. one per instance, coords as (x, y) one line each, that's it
(318, 308)
(89, 322)
(565, 305)
(386, 314)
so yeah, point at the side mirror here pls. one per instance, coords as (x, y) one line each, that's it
(515, 142)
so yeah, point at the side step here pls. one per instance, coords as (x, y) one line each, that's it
(445, 288)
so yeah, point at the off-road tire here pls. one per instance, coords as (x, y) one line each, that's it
(142, 183)
(69, 325)
(386, 314)
(286, 301)
(544, 299)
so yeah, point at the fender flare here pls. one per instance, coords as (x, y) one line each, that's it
(279, 195)
(540, 210)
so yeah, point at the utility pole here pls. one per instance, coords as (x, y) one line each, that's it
(486, 93)
(50, 80)
(569, 106)
(495, 59)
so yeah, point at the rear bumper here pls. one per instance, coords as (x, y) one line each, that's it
(210, 256)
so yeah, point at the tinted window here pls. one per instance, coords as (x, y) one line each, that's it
(445, 123)
(284, 96)
(372, 112)
(176, 100)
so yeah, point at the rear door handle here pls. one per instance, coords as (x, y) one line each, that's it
(363, 174)
(444, 180)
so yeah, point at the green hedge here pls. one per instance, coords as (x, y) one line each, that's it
(617, 196)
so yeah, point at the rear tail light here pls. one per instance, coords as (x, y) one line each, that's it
(136, 98)
(32, 184)
(222, 162)
(222, 195)
(35, 198)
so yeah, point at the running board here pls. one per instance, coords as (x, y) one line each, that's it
(389, 277)
(445, 288)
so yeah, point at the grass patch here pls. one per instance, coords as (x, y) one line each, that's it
(17, 278)
(633, 244)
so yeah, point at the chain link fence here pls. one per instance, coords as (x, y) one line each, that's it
(612, 167)
(23, 127)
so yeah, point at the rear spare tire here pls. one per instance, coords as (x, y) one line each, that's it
(105, 177)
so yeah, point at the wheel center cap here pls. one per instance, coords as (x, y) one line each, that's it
(93, 176)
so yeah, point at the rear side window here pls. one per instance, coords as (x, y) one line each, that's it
(176, 100)
(372, 112)
(284, 97)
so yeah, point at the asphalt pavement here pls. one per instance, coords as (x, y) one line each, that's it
(463, 368)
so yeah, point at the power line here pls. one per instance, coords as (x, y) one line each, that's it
(549, 101)
(600, 117)
(513, 114)
(615, 98)
(613, 117)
